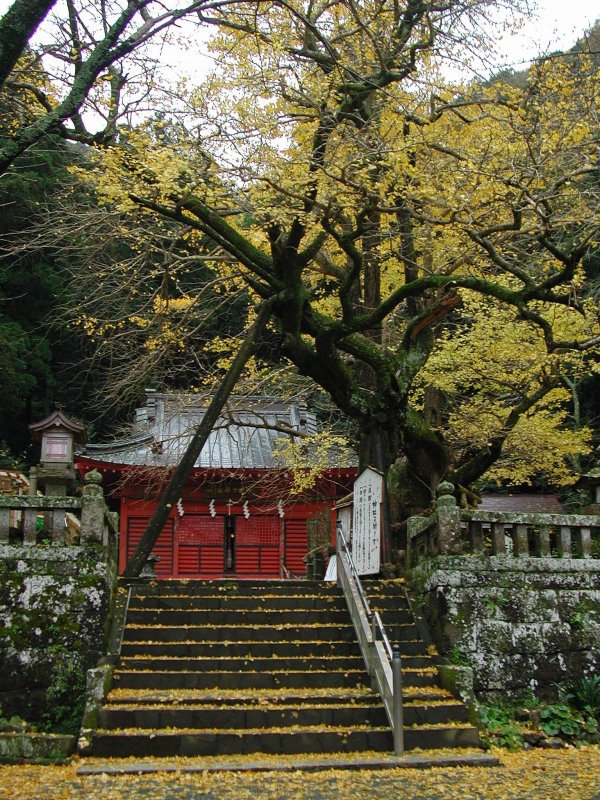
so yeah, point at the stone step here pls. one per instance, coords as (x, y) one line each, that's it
(192, 742)
(275, 716)
(246, 663)
(263, 649)
(230, 588)
(232, 680)
(235, 633)
(379, 586)
(241, 717)
(399, 632)
(127, 743)
(389, 605)
(255, 763)
(175, 679)
(361, 695)
(242, 618)
(235, 602)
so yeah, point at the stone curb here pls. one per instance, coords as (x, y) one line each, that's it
(391, 762)
(31, 748)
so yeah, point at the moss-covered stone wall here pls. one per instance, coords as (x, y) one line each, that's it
(521, 623)
(54, 610)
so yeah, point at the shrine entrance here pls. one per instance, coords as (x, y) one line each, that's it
(228, 544)
(205, 546)
(224, 539)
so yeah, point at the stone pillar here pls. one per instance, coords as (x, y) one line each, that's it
(33, 482)
(448, 515)
(92, 509)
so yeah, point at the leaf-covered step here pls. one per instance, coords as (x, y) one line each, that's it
(243, 617)
(429, 737)
(273, 715)
(358, 695)
(214, 742)
(265, 649)
(231, 680)
(243, 649)
(241, 717)
(434, 713)
(239, 602)
(231, 588)
(399, 632)
(260, 680)
(389, 606)
(237, 633)
(193, 742)
(245, 663)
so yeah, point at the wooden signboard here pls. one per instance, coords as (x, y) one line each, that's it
(366, 521)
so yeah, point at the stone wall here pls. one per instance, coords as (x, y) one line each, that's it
(54, 608)
(521, 623)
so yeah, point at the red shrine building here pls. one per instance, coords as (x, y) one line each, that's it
(236, 516)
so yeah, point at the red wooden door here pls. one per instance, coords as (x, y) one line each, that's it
(200, 546)
(296, 546)
(257, 546)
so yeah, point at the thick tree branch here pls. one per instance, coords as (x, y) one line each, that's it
(197, 442)
(17, 27)
(482, 460)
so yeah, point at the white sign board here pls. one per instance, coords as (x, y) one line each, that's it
(331, 574)
(366, 522)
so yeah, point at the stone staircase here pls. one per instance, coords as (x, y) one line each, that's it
(237, 667)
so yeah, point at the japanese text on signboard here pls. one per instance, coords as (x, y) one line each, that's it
(366, 522)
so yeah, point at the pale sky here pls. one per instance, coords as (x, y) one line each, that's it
(558, 25)
(560, 21)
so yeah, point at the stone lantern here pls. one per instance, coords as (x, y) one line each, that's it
(58, 435)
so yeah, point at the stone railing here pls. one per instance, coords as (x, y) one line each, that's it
(452, 531)
(59, 520)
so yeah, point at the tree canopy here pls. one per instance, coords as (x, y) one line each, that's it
(89, 54)
(426, 245)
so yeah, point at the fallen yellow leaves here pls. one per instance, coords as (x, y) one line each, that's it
(224, 694)
(534, 775)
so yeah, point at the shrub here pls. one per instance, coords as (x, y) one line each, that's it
(559, 719)
(501, 728)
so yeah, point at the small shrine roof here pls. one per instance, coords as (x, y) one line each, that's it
(522, 502)
(58, 420)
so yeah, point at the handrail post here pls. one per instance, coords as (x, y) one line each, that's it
(397, 708)
(373, 654)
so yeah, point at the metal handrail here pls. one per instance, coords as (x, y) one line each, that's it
(354, 573)
(377, 625)
(381, 660)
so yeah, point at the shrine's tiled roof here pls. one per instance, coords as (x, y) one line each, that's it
(244, 436)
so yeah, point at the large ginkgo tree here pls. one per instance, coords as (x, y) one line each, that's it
(421, 243)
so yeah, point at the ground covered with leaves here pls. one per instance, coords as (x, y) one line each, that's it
(525, 775)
